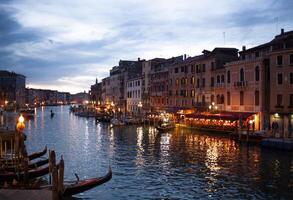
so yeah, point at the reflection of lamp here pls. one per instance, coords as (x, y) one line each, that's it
(139, 105)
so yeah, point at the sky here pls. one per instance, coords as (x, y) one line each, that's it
(67, 44)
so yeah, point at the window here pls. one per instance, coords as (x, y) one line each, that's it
(186, 69)
(241, 75)
(192, 80)
(203, 82)
(192, 68)
(256, 97)
(256, 73)
(222, 99)
(176, 70)
(291, 100)
(203, 67)
(212, 81)
(228, 99)
(257, 54)
(279, 99)
(192, 93)
(182, 69)
(222, 79)
(241, 98)
(177, 81)
(228, 77)
(218, 79)
(280, 79)
(291, 59)
(138, 83)
(203, 99)
(291, 78)
(279, 60)
(198, 83)
(197, 69)
(212, 98)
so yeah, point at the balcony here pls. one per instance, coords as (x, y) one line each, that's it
(241, 84)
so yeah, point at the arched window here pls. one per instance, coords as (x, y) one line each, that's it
(218, 79)
(222, 78)
(256, 73)
(222, 99)
(228, 77)
(212, 98)
(241, 75)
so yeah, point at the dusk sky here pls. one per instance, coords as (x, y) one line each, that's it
(66, 44)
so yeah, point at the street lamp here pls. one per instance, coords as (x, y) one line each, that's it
(20, 124)
(213, 107)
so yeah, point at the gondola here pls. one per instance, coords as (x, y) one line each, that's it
(165, 128)
(30, 157)
(37, 154)
(30, 166)
(31, 174)
(84, 185)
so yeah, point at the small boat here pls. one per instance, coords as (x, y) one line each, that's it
(117, 122)
(30, 166)
(165, 127)
(27, 113)
(31, 174)
(37, 154)
(84, 185)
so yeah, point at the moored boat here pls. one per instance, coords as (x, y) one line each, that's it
(165, 127)
(84, 185)
(30, 165)
(37, 154)
(31, 174)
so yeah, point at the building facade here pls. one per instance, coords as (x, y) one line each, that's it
(12, 89)
(134, 95)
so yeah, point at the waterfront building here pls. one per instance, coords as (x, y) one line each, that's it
(200, 80)
(96, 92)
(12, 89)
(134, 94)
(159, 83)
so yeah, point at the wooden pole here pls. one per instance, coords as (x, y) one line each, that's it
(61, 176)
(55, 195)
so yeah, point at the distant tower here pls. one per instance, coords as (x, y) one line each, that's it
(96, 80)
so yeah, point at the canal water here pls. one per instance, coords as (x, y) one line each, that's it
(183, 164)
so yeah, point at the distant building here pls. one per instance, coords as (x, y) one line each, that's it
(12, 89)
(80, 98)
(134, 88)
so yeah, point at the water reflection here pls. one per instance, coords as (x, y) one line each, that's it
(180, 165)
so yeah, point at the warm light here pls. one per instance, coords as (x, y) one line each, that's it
(112, 104)
(26, 104)
(86, 102)
(216, 107)
(213, 103)
(99, 102)
(276, 115)
(210, 107)
(6, 102)
(21, 119)
(251, 121)
(139, 104)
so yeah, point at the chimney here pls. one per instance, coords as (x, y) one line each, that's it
(243, 48)
(184, 57)
(138, 59)
(282, 31)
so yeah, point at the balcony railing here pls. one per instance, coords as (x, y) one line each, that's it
(241, 84)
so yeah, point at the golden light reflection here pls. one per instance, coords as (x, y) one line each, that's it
(139, 160)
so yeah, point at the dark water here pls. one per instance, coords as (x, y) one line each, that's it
(147, 165)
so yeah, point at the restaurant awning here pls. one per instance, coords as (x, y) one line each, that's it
(233, 116)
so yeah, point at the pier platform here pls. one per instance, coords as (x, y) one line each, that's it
(278, 143)
(11, 194)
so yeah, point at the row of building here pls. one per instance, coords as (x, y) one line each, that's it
(13, 92)
(257, 81)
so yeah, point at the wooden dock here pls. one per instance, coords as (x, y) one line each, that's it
(12, 194)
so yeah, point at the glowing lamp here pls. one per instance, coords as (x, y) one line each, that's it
(20, 119)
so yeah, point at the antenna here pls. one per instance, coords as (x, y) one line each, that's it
(224, 37)
(277, 24)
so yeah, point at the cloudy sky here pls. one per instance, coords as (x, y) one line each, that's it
(66, 44)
